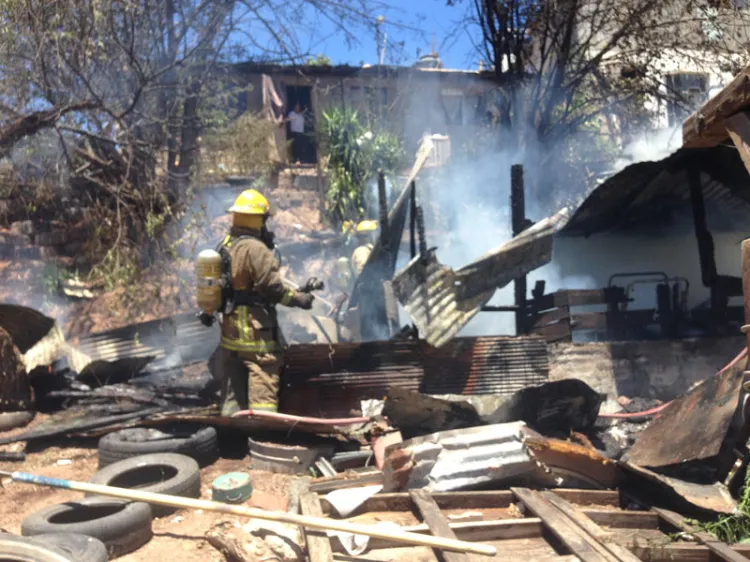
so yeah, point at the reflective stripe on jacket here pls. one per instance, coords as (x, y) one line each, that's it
(254, 328)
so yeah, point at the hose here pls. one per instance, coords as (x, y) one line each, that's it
(299, 419)
(628, 415)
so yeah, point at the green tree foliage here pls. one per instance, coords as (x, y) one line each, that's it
(354, 157)
(319, 60)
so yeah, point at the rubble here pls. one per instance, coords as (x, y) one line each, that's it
(693, 427)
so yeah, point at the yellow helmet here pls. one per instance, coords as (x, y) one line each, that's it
(251, 202)
(367, 226)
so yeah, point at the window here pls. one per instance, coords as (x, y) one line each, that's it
(686, 92)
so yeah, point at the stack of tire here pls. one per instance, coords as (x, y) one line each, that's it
(97, 529)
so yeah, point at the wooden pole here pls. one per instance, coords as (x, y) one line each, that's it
(746, 288)
(518, 222)
(279, 516)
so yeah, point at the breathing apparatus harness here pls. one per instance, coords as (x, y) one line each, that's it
(231, 298)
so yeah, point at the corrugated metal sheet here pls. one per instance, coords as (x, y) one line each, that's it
(649, 194)
(323, 380)
(459, 459)
(441, 301)
(171, 341)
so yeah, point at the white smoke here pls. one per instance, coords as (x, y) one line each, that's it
(467, 213)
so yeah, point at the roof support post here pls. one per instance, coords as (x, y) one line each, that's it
(518, 223)
(738, 127)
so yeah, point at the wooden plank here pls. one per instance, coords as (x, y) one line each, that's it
(343, 481)
(437, 522)
(620, 553)
(553, 332)
(318, 544)
(589, 321)
(578, 297)
(578, 542)
(738, 126)
(400, 501)
(720, 550)
(546, 318)
(623, 519)
(684, 552)
(706, 127)
(586, 297)
(474, 531)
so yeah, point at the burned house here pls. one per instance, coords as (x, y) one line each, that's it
(656, 247)
(410, 101)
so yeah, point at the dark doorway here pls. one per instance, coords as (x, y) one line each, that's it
(303, 146)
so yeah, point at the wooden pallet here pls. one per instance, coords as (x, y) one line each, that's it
(526, 525)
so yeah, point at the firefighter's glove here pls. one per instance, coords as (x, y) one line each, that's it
(304, 301)
(206, 319)
(313, 284)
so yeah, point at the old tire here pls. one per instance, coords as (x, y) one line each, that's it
(198, 442)
(19, 549)
(122, 526)
(76, 547)
(12, 420)
(161, 473)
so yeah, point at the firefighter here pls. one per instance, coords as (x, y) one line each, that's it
(365, 233)
(248, 361)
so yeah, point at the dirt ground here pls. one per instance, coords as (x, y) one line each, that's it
(179, 536)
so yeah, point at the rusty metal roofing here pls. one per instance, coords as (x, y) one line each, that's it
(654, 193)
(441, 301)
(332, 380)
(171, 341)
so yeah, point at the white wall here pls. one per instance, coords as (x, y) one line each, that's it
(598, 257)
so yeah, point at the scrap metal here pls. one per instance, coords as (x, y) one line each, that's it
(458, 459)
(368, 295)
(441, 301)
(692, 427)
(655, 488)
(571, 465)
(332, 380)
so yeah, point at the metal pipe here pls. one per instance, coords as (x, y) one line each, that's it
(299, 419)
(307, 521)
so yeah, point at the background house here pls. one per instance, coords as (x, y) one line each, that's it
(408, 101)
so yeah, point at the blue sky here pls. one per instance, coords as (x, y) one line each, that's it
(422, 19)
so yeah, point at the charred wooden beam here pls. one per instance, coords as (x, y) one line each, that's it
(707, 126)
(738, 127)
(518, 224)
